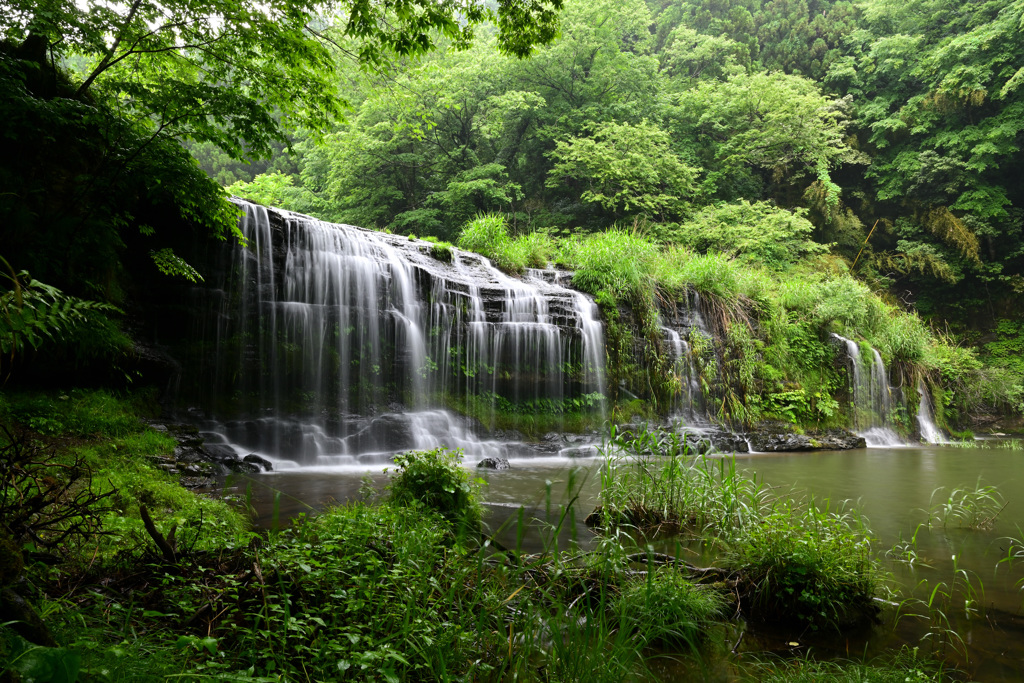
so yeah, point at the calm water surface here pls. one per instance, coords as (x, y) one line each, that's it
(894, 488)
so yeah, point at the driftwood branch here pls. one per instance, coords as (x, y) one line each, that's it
(166, 548)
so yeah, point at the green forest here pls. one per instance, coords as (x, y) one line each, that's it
(803, 173)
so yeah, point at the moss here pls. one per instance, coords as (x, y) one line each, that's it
(442, 251)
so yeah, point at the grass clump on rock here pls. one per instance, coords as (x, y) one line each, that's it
(668, 610)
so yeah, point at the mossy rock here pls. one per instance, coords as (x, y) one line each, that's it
(11, 560)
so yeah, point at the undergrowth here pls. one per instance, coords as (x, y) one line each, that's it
(410, 588)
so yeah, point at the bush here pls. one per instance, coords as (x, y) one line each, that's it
(666, 609)
(760, 232)
(436, 480)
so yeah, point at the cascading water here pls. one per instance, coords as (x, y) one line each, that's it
(689, 402)
(686, 320)
(872, 397)
(930, 432)
(335, 345)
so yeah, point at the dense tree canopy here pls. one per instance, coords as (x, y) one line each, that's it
(102, 94)
(878, 116)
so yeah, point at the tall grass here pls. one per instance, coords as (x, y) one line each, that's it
(617, 260)
(487, 234)
(974, 507)
(793, 560)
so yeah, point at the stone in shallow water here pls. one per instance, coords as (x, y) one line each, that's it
(494, 464)
(254, 459)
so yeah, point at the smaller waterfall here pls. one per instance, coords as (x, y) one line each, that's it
(689, 402)
(930, 432)
(872, 393)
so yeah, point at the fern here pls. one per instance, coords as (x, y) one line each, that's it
(32, 313)
(952, 231)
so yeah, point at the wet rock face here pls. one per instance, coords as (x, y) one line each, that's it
(262, 463)
(196, 463)
(768, 441)
(727, 442)
(494, 464)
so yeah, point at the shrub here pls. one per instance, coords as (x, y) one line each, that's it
(758, 232)
(666, 609)
(435, 479)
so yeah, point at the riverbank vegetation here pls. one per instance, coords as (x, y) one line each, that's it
(402, 586)
(779, 173)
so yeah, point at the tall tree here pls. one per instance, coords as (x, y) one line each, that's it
(938, 88)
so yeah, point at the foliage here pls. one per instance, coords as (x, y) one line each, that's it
(85, 185)
(78, 413)
(274, 189)
(968, 508)
(772, 122)
(906, 665)
(1007, 350)
(32, 313)
(798, 563)
(940, 111)
(43, 502)
(488, 235)
(667, 610)
(225, 72)
(616, 260)
(86, 490)
(169, 263)
(436, 480)
(759, 233)
(816, 570)
(626, 169)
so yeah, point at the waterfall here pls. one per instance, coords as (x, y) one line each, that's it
(689, 400)
(336, 345)
(872, 396)
(682, 322)
(930, 432)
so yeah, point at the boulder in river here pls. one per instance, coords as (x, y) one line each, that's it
(494, 464)
(772, 441)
